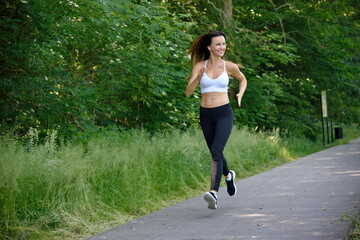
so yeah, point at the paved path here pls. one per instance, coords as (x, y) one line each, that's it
(303, 200)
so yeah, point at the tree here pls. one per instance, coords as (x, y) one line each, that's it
(91, 63)
(79, 65)
(228, 12)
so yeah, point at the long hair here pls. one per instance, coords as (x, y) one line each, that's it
(198, 48)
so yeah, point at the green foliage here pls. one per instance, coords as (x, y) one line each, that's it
(93, 64)
(75, 66)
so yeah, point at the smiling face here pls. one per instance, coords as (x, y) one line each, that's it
(217, 47)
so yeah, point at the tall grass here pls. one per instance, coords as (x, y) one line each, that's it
(53, 190)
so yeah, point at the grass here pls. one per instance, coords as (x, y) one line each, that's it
(355, 235)
(355, 228)
(53, 190)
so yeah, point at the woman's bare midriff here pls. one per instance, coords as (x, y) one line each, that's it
(214, 99)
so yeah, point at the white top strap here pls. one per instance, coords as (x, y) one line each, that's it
(205, 65)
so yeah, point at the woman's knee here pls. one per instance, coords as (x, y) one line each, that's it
(217, 154)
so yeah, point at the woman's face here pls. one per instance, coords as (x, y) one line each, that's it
(217, 47)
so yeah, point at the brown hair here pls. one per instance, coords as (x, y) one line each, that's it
(198, 48)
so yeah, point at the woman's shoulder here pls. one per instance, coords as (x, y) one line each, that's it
(230, 66)
(199, 64)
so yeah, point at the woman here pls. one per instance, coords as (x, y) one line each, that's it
(216, 115)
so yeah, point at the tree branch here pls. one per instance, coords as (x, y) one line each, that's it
(221, 12)
(280, 19)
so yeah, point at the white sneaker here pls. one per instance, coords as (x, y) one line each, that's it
(211, 199)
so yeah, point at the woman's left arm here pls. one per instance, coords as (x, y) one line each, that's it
(235, 72)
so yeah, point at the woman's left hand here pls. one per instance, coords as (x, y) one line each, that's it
(238, 100)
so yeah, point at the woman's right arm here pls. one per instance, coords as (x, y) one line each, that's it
(196, 75)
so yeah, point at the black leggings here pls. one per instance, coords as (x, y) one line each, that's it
(216, 124)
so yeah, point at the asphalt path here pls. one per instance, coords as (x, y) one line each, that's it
(310, 198)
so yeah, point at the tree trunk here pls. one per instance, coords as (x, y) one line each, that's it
(228, 12)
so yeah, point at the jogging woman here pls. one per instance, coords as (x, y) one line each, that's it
(211, 71)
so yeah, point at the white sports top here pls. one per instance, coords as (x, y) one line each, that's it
(219, 84)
